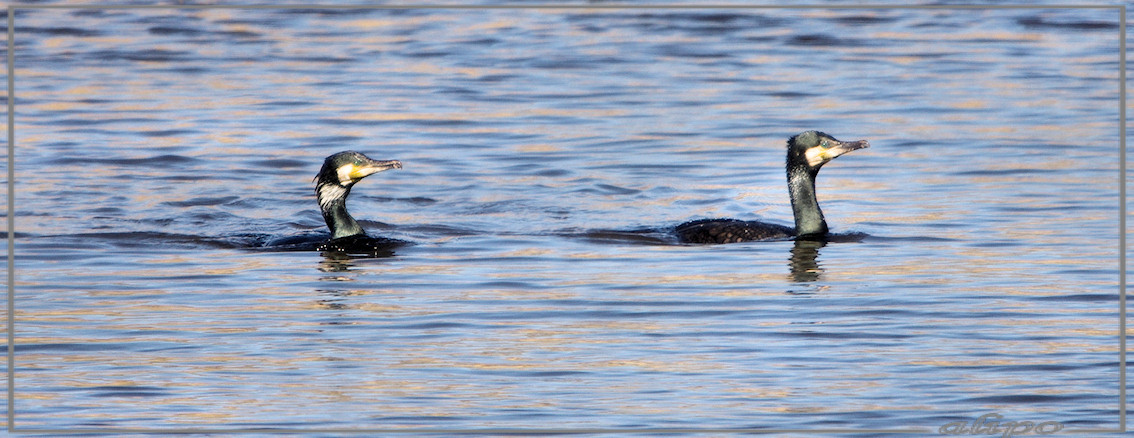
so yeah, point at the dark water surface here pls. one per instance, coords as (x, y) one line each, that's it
(545, 153)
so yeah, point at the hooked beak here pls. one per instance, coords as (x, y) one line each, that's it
(373, 167)
(819, 155)
(843, 148)
(349, 174)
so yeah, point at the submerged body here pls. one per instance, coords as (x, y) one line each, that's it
(332, 186)
(806, 153)
(361, 244)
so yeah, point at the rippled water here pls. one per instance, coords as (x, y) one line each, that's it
(546, 153)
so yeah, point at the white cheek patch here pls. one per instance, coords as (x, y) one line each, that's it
(816, 156)
(344, 174)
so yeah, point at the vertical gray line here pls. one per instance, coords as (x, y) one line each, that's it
(1122, 218)
(11, 220)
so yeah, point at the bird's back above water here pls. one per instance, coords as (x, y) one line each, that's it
(731, 231)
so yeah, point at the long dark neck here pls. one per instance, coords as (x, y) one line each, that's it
(332, 202)
(808, 216)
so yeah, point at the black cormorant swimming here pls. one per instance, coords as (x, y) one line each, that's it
(332, 186)
(806, 153)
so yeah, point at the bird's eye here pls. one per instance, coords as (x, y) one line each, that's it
(824, 143)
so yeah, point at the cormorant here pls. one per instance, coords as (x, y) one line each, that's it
(332, 186)
(806, 153)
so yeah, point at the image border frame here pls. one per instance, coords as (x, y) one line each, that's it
(11, 213)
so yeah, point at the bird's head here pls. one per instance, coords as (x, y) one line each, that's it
(348, 167)
(813, 149)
